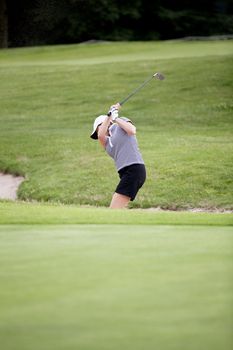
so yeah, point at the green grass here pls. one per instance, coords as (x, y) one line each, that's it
(27, 213)
(95, 287)
(50, 96)
(91, 278)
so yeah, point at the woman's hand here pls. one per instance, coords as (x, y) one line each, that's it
(113, 111)
(116, 106)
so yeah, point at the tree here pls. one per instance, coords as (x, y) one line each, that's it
(3, 24)
(41, 22)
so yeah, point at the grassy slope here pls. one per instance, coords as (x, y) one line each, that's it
(50, 95)
(27, 213)
(115, 287)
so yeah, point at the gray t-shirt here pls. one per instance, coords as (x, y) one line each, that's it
(122, 147)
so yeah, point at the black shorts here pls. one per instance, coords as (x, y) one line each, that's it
(132, 178)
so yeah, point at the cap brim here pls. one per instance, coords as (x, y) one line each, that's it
(94, 136)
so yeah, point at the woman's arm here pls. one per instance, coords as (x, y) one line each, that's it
(102, 131)
(128, 127)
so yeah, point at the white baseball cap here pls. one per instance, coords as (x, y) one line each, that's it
(99, 120)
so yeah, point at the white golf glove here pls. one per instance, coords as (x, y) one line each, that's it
(113, 112)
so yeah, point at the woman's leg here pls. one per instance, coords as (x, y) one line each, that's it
(119, 201)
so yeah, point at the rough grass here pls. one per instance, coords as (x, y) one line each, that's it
(50, 96)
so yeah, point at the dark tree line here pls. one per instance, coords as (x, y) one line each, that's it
(38, 22)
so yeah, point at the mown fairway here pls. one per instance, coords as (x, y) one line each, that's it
(50, 96)
(115, 287)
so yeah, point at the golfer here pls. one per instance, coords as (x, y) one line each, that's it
(118, 137)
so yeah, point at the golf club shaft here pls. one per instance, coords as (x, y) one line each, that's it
(157, 75)
(136, 90)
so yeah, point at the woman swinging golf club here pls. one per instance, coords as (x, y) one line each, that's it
(117, 136)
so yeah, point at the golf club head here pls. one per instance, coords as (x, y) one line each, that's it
(159, 76)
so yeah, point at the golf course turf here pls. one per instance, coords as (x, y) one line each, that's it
(106, 279)
(75, 275)
(42, 213)
(50, 97)
(115, 286)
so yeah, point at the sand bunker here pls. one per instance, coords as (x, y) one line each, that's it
(9, 185)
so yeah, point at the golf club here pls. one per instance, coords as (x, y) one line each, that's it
(158, 76)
